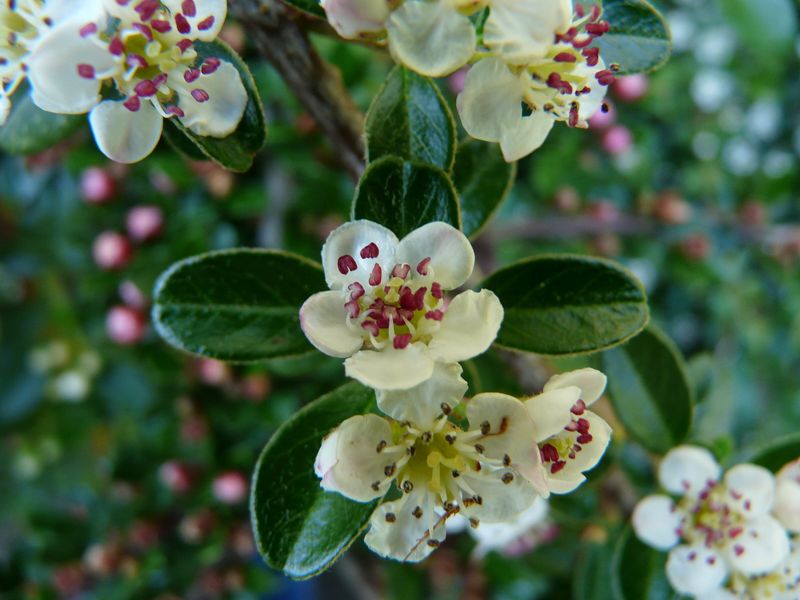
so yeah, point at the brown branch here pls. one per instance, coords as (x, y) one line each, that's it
(318, 86)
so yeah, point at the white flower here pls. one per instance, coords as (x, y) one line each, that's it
(489, 472)
(354, 19)
(787, 496)
(146, 49)
(542, 71)
(387, 310)
(717, 528)
(571, 438)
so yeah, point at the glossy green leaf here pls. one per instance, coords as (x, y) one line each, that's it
(637, 571)
(783, 450)
(483, 180)
(238, 305)
(29, 129)
(410, 118)
(310, 6)
(639, 39)
(592, 574)
(403, 196)
(300, 528)
(650, 389)
(565, 304)
(236, 151)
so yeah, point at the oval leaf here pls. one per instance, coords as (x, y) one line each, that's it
(403, 196)
(409, 118)
(483, 179)
(236, 151)
(637, 571)
(639, 39)
(650, 390)
(238, 305)
(300, 528)
(567, 304)
(777, 454)
(29, 129)
(309, 6)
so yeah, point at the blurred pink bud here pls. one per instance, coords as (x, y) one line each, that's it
(125, 325)
(131, 295)
(230, 487)
(672, 209)
(617, 140)
(603, 211)
(631, 87)
(111, 250)
(456, 81)
(603, 118)
(176, 476)
(255, 387)
(144, 222)
(213, 372)
(97, 186)
(696, 247)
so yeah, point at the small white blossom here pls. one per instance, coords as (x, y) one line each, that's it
(353, 19)
(490, 472)
(719, 530)
(787, 496)
(387, 311)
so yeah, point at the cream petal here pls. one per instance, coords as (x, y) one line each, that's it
(591, 382)
(657, 521)
(353, 18)
(491, 103)
(122, 135)
(752, 489)
(550, 411)
(53, 70)
(324, 321)
(350, 239)
(403, 536)
(787, 501)
(590, 103)
(468, 328)
(391, 369)
(501, 499)
(208, 19)
(687, 470)
(592, 451)
(527, 135)
(430, 38)
(125, 12)
(521, 32)
(762, 546)
(219, 116)
(422, 404)
(695, 570)
(510, 429)
(82, 10)
(451, 256)
(356, 469)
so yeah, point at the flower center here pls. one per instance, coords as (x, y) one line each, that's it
(21, 24)
(557, 450)
(711, 518)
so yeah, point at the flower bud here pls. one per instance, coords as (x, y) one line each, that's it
(144, 223)
(176, 476)
(97, 186)
(605, 117)
(631, 88)
(354, 18)
(125, 325)
(131, 295)
(111, 250)
(230, 487)
(617, 140)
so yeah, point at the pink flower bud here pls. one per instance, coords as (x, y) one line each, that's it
(111, 250)
(131, 295)
(213, 372)
(617, 140)
(125, 325)
(456, 81)
(97, 186)
(230, 487)
(144, 222)
(631, 87)
(176, 476)
(605, 117)
(671, 209)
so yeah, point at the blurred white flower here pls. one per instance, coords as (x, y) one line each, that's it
(715, 46)
(711, 88)
(764, 119)
(787, 496)
(740, 157)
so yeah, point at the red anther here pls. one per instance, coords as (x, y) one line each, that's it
(557, 466)
(584, 438)
(422, 267)
(436, 290)
(144, 30)
(571, 426)
(401, 271)
(579, 43)
(136, 60)
(401, 341)
(738, 550)
(578, 408)
(554, 81)
(191, 75)
(184, 45)
(346, 264)
(711, 560)
(200, 95)
(565, 57)
(605, 77)
(210, 65)
(88, 29)
(579, 12)
(403, 316)
(133, 103)
(595, 12)
(598, 29)
(376, 275)
(419, 298)
(371, 250)
(159, 79)
(147, 9)
(160, 25)
(692, 556)
(583, 425)
(434, 315)
(747, 505)
(735, 532)
(549, 453)
(356, 290)
(352, 308)
(188, 8)
(592, 56)
(407, 300)
(206, 24)
(116, 47)
(182, 24)
(176, 111)
(86, 71)
(145, 88)
(371, 327)
(574, 116)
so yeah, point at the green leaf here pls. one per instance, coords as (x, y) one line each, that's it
(300, 528)
(563, 304)
(403, 196)
(639, 39)
(764, 24)
(179, 141)
(650, 390)
(483, 179)
(410, 118)
(637, 571)
(29, 129)
(592, 573)
(236, 151)
(238, 305)
(309, 6)
(778, 453)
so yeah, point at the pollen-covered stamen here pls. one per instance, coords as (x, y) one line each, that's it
(346, 264)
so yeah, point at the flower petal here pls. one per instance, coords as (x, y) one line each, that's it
(349, 461)
(695, 570)
(350, 239)
(468, 328)
(122, 135)
(657, 522)
(221, 113)
(324, 321)
(527, 135)
(391, 369)
(762, 546)
(430, 38)
(403, 536)
(688, 470)
(521, 32)
(353, 18)
(591, 102)
(592, 451)
(591, 382)
(207, 21)
(451, 256)
(498, 536)
(787, 497)
(422, 404)
(752, 489)
(550, 411)
(504, 494)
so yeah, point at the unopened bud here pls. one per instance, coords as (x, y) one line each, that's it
(111, 250)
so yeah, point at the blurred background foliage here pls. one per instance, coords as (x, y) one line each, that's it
(127, 463)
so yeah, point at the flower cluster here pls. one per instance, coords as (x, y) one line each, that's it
(128, 63)
(433, 454)
(537, 63)
(728, 536)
